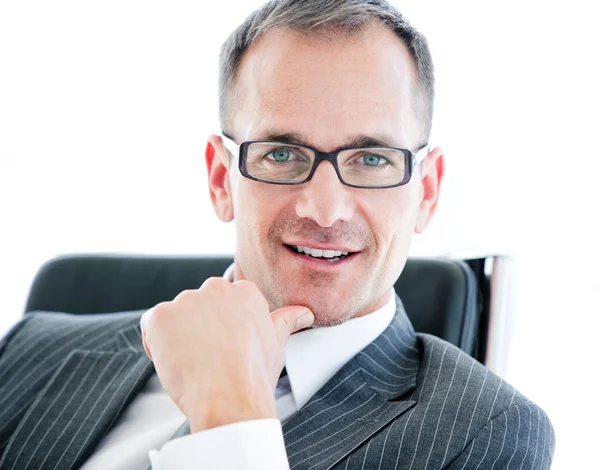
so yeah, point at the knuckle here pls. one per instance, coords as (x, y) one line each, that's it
(289, 323)
(185, 295)
(215, 283)
(160, 312)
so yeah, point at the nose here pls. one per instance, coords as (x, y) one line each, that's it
(324, 198)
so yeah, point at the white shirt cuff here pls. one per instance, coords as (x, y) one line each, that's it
(248, 445)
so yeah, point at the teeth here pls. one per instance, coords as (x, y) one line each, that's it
(320, 253)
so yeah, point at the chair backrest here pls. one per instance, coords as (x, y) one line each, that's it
(445, 297)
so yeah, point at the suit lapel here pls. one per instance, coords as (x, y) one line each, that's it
(364, 396)
(130, 338)
(340, 417)
(79, 404)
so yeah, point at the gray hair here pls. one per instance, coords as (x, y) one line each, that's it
(326, 16)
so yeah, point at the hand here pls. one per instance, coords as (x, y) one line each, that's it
(218, 351)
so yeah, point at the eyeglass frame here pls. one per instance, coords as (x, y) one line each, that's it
(414, 158)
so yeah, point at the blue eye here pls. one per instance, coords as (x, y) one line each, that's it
(370, 159)
(281, 155)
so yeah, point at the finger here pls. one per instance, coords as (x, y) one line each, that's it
(143, 325)
(287, 320)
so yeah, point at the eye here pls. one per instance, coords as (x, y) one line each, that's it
(372, 159)
(280, 155)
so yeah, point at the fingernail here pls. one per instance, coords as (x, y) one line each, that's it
(305, 320)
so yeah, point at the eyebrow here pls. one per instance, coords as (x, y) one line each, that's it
(360, 140)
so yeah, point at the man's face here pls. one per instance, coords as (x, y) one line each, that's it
(327, 93)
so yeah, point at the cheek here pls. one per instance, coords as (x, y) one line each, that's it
(395, 241)
(392, 218)
(257, 207)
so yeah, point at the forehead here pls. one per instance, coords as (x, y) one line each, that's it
(328, 89)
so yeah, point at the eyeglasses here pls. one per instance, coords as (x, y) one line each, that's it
(358, 167)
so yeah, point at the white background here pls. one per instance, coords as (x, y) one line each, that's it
(105, 108)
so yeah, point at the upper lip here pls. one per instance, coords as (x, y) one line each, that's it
(323, 246)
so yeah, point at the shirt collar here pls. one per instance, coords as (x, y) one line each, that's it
(315, 355)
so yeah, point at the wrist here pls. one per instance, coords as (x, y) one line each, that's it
(221, 411)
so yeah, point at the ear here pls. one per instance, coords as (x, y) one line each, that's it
(432, 175)
(217, 166)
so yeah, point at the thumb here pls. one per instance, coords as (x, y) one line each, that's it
(287, 320)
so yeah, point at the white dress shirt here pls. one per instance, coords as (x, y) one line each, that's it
(312, 357)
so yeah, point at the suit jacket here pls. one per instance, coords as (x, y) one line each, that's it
(406, 401)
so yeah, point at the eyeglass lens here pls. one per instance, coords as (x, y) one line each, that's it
(279, 162)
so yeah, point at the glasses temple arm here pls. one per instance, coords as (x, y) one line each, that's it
(230, 145)
(421, 154)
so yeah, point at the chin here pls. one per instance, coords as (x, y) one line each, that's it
(330, 302)
(328, 320)
(329, 313)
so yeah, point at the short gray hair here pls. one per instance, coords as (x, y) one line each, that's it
(326, 16)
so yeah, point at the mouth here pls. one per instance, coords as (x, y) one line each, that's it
(328, 256)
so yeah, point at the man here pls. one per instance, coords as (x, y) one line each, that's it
(324, 165)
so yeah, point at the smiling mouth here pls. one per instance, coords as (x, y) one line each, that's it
(330, 256)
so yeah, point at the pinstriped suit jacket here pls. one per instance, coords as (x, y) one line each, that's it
(407, 401)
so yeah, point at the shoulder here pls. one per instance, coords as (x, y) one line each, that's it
(61, 320)
(38, 330)
(468, 399)
(447, 369)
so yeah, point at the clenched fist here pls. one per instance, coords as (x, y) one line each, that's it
(218, 351)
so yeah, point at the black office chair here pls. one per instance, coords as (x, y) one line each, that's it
(452, 299)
